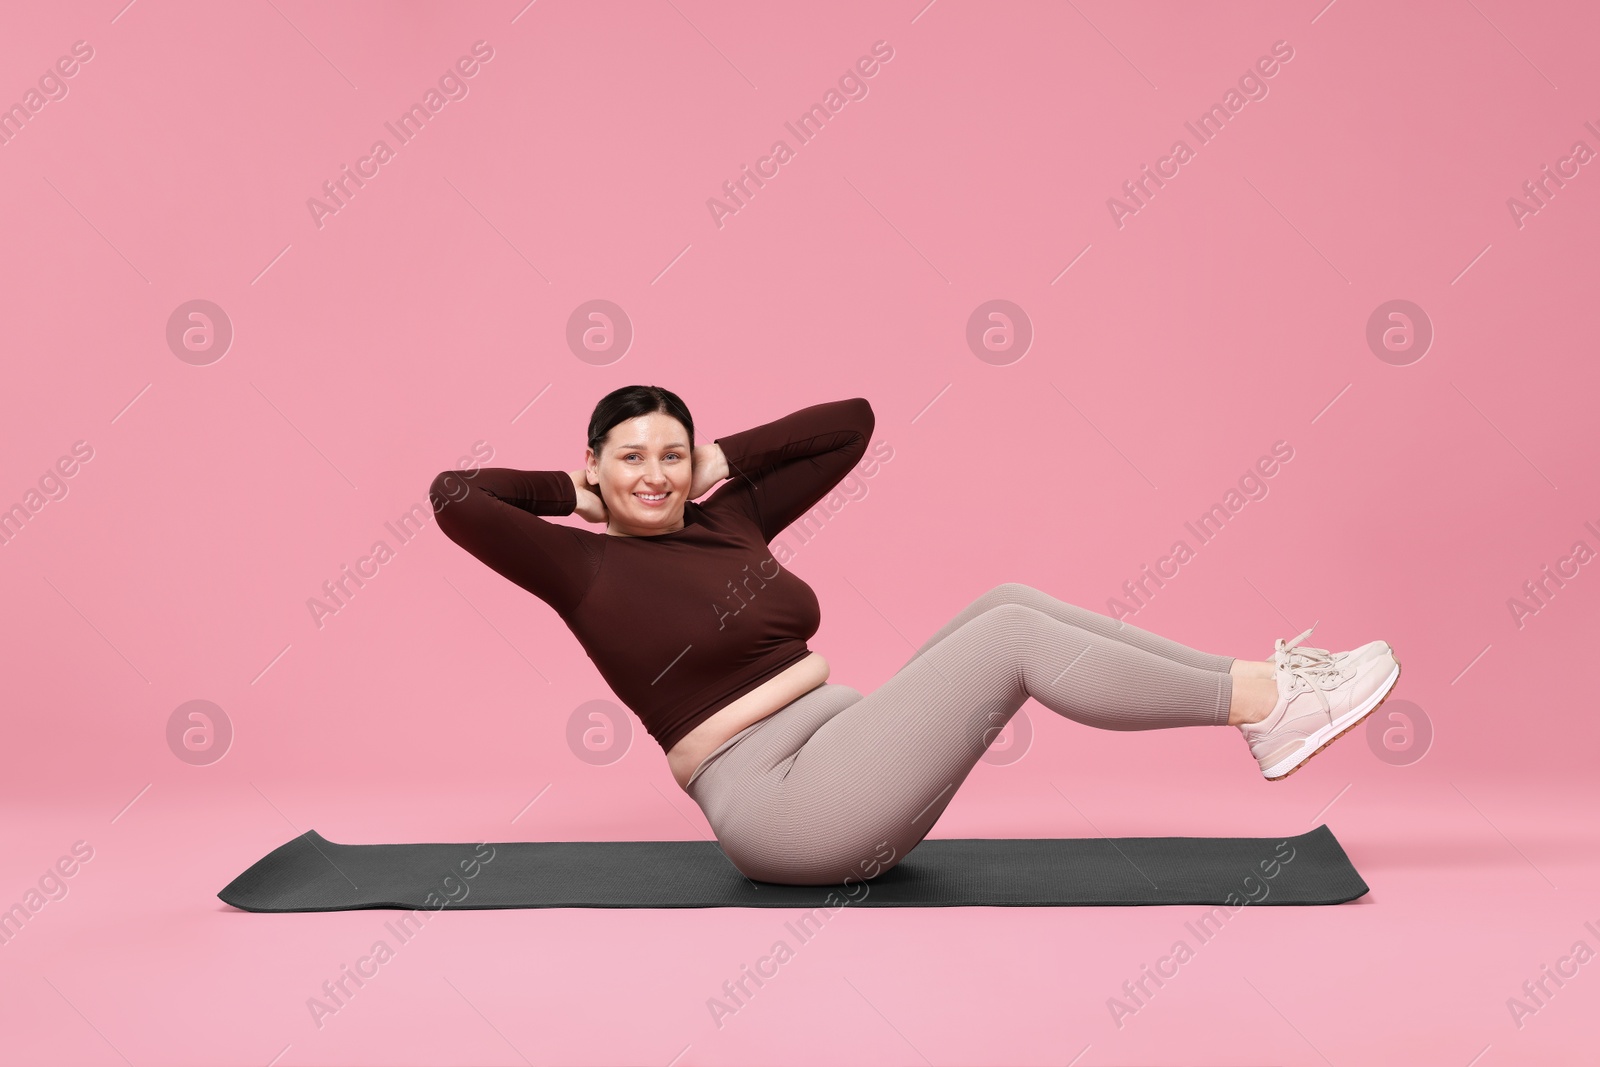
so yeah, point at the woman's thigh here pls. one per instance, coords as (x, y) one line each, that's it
(847, 787)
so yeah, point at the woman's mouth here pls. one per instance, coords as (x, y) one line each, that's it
(651, 500)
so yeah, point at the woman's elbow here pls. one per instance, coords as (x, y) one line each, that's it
(447, 488)
(866, 420)
(860, 409)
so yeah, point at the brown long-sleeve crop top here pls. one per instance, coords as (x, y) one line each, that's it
(683, 623)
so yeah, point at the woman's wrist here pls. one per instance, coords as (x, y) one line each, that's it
(580, 485)
(710, 467)
(589, 504)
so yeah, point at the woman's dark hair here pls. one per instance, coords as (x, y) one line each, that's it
(630, 402)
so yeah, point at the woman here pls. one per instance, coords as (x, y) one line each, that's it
(702, 634)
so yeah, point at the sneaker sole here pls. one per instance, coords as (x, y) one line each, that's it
(1335, 730)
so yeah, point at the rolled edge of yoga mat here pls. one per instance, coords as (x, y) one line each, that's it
(311, 873)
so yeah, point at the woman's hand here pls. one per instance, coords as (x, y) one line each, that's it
(590, 505)
(710, 467)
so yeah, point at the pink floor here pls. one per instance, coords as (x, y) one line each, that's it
(1477, 884)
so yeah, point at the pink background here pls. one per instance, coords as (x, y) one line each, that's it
(426, 315)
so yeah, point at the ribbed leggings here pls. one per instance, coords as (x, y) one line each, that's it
(836, 785)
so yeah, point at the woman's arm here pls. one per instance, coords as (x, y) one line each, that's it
(780, 469)
(591, 505)
(496, 513)
(710, 467)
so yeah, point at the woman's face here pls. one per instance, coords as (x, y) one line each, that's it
(643, 472)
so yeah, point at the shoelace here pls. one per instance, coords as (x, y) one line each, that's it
(1316, 677)
(1286, 652)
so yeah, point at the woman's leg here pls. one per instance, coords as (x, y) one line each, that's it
(850, 785)
(1254, 690)
(1127, 633)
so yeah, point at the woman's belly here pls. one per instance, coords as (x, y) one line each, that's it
(782, 688)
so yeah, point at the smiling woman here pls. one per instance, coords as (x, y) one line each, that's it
(641, 463)
(806, 782)
(654, 618)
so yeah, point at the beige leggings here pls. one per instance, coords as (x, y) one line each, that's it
(836, 785)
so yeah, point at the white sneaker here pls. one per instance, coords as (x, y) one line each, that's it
(1317, 704)
(1294, 652)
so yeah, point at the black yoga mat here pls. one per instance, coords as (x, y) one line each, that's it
(311, 873)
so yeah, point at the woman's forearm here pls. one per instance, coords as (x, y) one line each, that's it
(537, 492)
(812, 432)
(791, 462)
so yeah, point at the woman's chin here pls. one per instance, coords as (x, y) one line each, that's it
(656, 520)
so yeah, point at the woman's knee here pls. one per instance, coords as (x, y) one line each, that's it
(1004, 593)
(1008, 614)
(1008, 593)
